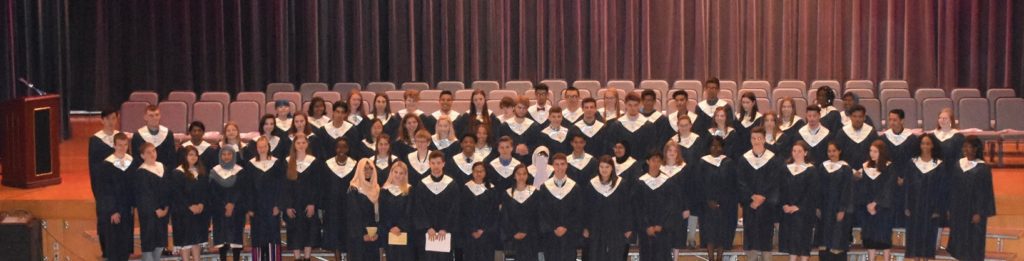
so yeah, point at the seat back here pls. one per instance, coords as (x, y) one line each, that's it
(520, 87)
(452, 86)
(909, 106)
(132, 113)
(380, 87)
(556, 86)
(150, 97)
(279, 87)
(1008, 114)
(974, 113)
(930, 109)
(415, 86)
(174, 116)
(244, 114)
(625, 85)
(213, 121)
(307, 89)
(188, 97)
(344, 88)
(694, 87)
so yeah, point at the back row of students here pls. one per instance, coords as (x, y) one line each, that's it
(302, 167)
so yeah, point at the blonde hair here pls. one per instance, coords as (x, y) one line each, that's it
(402, 184)
(451, 128)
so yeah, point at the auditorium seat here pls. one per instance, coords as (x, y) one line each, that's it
(961, 93)
(330, 96)
(429, 107)
(273, 110)
(657, 94)
(279, 87)
(556, 86)
(397, 95)
(859, 85)
(779, 93)
(380, 87)
(145, 96)
(245, 115)
(1009, 118)
(452, 86)
(909, 107)
(222, 97)
(728, 86)
(258, 97)
(692, 85)
(995, 94)
(131, 115)
(486, 85)
(368, 95)
(396, 105)
(759, 93)
(430, 95)
(757, 85)
(792, 84)
(920, 95)
(861, 93)
(589, 85)
(344, 88)
(188, 97)
(625, 85)
(893, 84)
(494, 106)
(930, 109)
(214, 121)
(466, 95)
(499, 94)
(874, 110)
(726, 94)
(461, 107)
(888, 94)
(294, 97)
(622, 94)
(307, 89)
(174, 116)
(415, 86)
(659, 86)
(690, 93)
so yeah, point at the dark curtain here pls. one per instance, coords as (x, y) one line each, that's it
(35, 49)
(241, 45)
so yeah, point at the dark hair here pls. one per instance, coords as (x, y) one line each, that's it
(813, 108)
(485, 113)
(506, 139)
(516, 183)
(403, 135)
(835, 144)
(342, 105)
(613, 178)
(152, 108)
(387, 106)
(713, 80)
(197, 124)
(753, 112)
(979, 147)
(936, 147)
(899, 113)
(436, 155)
(655, 154)
(313, 103)
(807, 149)
(716, 139)
(571, 89)
(680, 93)
(559, 156)
(830, 95)
(263, 120)
(541, 87)
(632, 97)
(555, 109)
(469, 135)
(883, 156)
(305, 129)
(856, 108)
(200, 169)
(589, 100)
(759, 129)
(108, 112)
(445, 92)
(648, 93)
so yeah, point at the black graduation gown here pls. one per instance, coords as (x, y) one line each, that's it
(926, 196)
(400, 149)
(583, 168)
(657, 205)
(418, 169)
(189, 228)
(606, 221)
(596, 135)
(384, 168)
(794, 127)
(359, 215)
(333, 194)
(855, 145)
(426, 120)
(166, 153)
(209, 155)
(303, 231)
(631, 169)
(502, 176)
(98, 151)
(114, 189)
(464, 123)
(153, 192)
(390, 122)
(970, 194)
(661, 127)
(561, 207)
(876, 230)
(782, 146)
(705, 115)
(836, 188)
(682, 177)
(831, 119)
(280, 150)
(557, 142)
(716, 184)
(233, 189)
(638, 134)
(761, 179)
(454, 148)
(394, 212)
(364, 149)
(478, 212)
(692, 148)
(521, 133)
(845, 118)
(266, 189)
(460, 170)
(818, 142)
(900, 155)
(434, 210)
(743, 127)
(361, 123)
(733, 143)
(800, 190)
(328, 135)
(520, 217)
(952, 148)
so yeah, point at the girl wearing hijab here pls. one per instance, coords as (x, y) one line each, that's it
(540, 169)
(227, 203)
(626, 166)
(394, 213)
(267, 173)
(153, 195)
(299, 199)
(189, 217)
(361, 213)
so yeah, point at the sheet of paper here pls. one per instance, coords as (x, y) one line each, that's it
(401, 239)
(443, 245)
(372, 231)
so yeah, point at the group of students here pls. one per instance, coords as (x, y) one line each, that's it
(535, 179)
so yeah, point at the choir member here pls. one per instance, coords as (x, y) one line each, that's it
(679, 172)
(721, 126)
(626, 166)
(383, 158)
(153, 194)
(445, 101)
(521, 128)
(460, 166)
(875, 188)
(444, 138)
(659, 123)
(232, 138)
(971, 203)
(836, 188)
(830, 116)
(816, 134)
(339, 127)
(301, 125)
(208, 153)
(501, 167)
(849, 100)
(279, 146)
(900, 143)
(368, 146)
(317, 112)
(188, 216)
(680, 99)
(519, 216)
(607, 227)
(634, 128)
(591, 126)
(715, 182)
(950, 138)
(479, 217)
(156, 134)
(692, 145)
(707, 108)
(299, 197)
(419, 160)
(573, 107)
(789, 121)
(282, 117)
(268, 175)
(777, 141)
(506, 110)
(539, 167)
(113, 187)
(746, 118)
(394, 212)
(412, 101)
(798, 194)
(478, 114)
(539, 112)
(611, 110)
(582, 165)
(101, 145)
(406, 139)
(758, 179)
(554, 135)
(333, 197)
(925, 198)
(561, 212)
(856, 137)
(382, 111)
(484, 141)
(435, 208)
(361, 206)
(228, 203)
(357, 112)
(660, 205)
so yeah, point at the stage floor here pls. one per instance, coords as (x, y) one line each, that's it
(69, 211)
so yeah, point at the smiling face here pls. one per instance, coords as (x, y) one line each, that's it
(479, 173)
(383, 147)
(605, 170)
(268, 126)
(192, 157)
(341, 148)
(619, 150)
(927, 145)
(380, 103)
(445, 101)
(412, 125)
(799, 154)
(152, 119)
(969, 151)
(833, 152)
(301, 144)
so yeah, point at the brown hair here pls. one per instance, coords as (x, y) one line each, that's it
(200, 168)
(293, 169)
(883, 156)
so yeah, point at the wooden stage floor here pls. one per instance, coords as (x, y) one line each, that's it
(68, 208)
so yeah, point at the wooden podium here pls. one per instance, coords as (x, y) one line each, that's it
(30, 143)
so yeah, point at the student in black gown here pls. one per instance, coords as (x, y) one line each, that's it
(836, 188)
(484, 141)
(479, 218)
(798, 194)
(856, 137)
(444, 139)
(383, 158)
(626, 166)
(412, 101)
(357, 113)
(789, 121)
(721, 126)
(521, 128)
(634, 128)
(539, 111)
(300, 197)
(478, 113)
(758, 176)
(561, 210)
(189, 218)
(611, 110)
(659, 205)
(317, 112)
(114, 191)
(208, 153)
(280, 145)
(706, 108)
(692, 145)
(394, 212)
(334, 185)
(582, 165)
(339, 127)
(153, 194)
(573, 106)
(101, 145)
(382, 112)
(268, 176)
(679, 172)
(816, 134)
(361, 206)
(875, 187)
(156, 134)
(500, 169)
(228, 203)
(777, 141)
(367, 147)
(301, 125)
(900, 143)
(660, 125)
(519, 216)
(460, 166)
(849, 100)
(926, 198)
(715, 181)
(445, 100)
(747, 117)
(405, 142)
(232, 138)
(591, 126)
(419, 160)
(971, 203)
(435, 209)
(607, 228)
(556, 136)
(950, 139)
(681, 100)
(830, 116)
(282, 117)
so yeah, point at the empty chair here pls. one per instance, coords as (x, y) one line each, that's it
(862, 93)
(487, 86)
(494, 106)
(415, 86)
(131, 115)
(499, 94)
(961, 93)
(430, 95)
(756, 85)
(925, 93)
(344, 88)
(973, 114)
(589, 85)
(520, 87)
(874, 110)
(188, 97)
(693, 85)
(792, 84)
(294, 97)
(279, 87)
(465, 95)
(759, 93)
(307, 89)
(258, 97)
(213, 121)
(893, 93)
(330, 96)
(429, 107)
(812, 93)
(728, 86)
(995, 94)
(145, 96)
(396, 95)
(380, 87)
(763, 104)
(909, 107)
(396, 105)
(451, 86)
(222, 97)
(1008, 116)
(243, 113)
(726, 94)
(556, 87)
(626, 85)
(174, 116)
(368, 95)
(893, 84)
(930, 109)
(859, 84)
